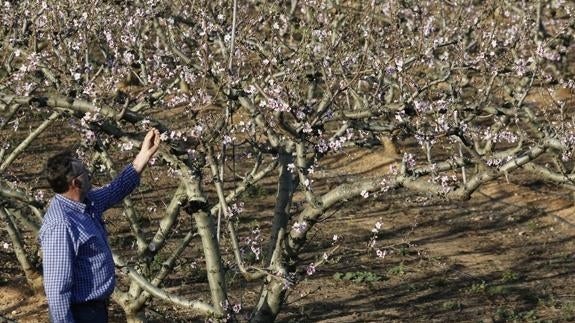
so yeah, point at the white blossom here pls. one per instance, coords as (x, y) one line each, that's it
(300, 227)
(310, 269)
(381, 254)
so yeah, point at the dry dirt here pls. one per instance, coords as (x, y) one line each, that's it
(505, 255)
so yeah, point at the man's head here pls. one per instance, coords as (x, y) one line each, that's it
(67, 174)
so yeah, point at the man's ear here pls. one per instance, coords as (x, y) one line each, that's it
(77, 183)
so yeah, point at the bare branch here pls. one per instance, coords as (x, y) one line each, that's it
(26, 142)
(197, 306)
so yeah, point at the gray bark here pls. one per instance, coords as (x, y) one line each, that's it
(26, 142)
(214, 267)
(32, 275)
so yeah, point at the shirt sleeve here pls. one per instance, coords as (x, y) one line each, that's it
(58, 259)
(105, 197)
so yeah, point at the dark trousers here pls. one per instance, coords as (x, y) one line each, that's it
(91, 312)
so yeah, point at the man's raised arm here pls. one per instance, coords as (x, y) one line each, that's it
(105, 197)
(149, 147)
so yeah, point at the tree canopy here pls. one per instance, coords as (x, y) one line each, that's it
(464, 92)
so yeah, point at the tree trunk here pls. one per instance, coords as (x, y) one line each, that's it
(214, 268)
(271, 301)
(136, 317)
(33, 277)
(273, 291)
(285, 190)
(135, 311)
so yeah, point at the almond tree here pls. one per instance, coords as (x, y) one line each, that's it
(467, 91)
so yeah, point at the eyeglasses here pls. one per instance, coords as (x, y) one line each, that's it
(84, 172)
(87, 173)
(79, 170)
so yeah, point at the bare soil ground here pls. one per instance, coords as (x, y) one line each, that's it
(505, 255)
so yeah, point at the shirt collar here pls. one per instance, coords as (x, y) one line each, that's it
(77, 207)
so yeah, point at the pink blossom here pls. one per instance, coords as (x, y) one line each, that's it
(300, 227)
(310, 269)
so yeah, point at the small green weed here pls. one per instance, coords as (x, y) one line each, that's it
(358, 276)
(253, 191)
(476, 288)
(500, 290)
(452, 305)
(398, 270)
(510, 277)
(403, 250)
(156, 264)
(568, 311)
(506, 314)
(439, 282)
(532, 225)
(250, 258)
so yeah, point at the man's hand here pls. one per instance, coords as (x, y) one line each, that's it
(150, 145)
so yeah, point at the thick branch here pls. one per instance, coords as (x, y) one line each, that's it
(168, 221)
(285, 190)
(231, 230)
(213, 258)
(26, 142)
(197, 306)
(252, 178)
(32, 275)
(167, 267)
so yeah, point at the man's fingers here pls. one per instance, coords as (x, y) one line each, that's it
(156, 137)
(152, 140)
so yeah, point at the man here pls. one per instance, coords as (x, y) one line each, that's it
(77, 260)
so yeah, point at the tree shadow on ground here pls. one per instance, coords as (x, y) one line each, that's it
(490, 259)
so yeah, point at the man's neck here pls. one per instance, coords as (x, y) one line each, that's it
(73, 195)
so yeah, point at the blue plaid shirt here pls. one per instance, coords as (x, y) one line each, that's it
(77, 259)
